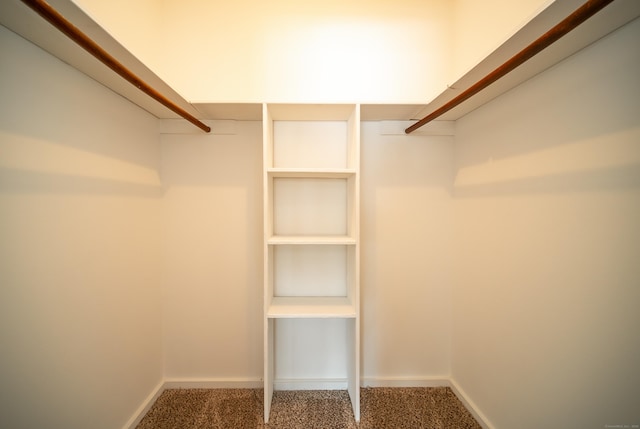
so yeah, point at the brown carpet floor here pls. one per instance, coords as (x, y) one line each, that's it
(381, 408)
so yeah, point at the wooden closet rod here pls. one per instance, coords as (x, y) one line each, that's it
(50, 14)
(580, 15)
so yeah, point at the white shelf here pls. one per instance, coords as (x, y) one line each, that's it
(328, 173)
(311, 112)
(312, 240)
(311, 307)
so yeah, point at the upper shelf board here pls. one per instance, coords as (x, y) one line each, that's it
(306, 112)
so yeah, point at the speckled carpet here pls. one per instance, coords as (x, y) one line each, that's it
(381, 408)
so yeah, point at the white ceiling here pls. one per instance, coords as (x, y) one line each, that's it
(19, 18)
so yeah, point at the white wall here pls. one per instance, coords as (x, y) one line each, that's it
(547, 202)
(212, 262)
(79, 249)
(212, 269)
(406, 261)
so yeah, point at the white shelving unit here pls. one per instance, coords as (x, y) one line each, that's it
(311, 246)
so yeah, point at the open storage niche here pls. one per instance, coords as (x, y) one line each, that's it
(311, 203)
(327, 350)
(300, 206)
(311, 249)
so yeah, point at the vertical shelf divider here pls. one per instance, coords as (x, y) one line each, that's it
(353, 365)
(268, 324)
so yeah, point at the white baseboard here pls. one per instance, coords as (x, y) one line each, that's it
(310, 384)
(405, 382)
(213, 383)
(145, 407)
(470, 405)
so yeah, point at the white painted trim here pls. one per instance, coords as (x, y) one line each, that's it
(470, 405)
(434, 128)
(145, 407)
(182, 126)
(214, 383)
(405, 382)
(310, 384)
